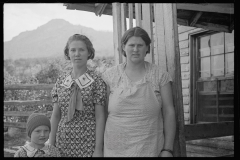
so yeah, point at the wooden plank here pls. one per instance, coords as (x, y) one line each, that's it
(211, 26)
(89, 7)
(184, 28)
(160, 56)
(123, 22)
(183, 44)
(206, 7)
(208, 130)
(183, 36)
(123, 17)
(225, 106)
(173, 67)
(138, 14)
(130, 14)
(30, 102)
(183, 22)
(195, 18)
(207, 151)
(213, 142)
(147, 25)
(99, 8)
(15, 124)
(29, 87)
(220, 115)
(18, 113)
(227, 155)
(116, 9)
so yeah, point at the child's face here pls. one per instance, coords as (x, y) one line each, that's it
(40, 135)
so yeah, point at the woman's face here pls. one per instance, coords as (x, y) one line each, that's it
(135, 49)
(78, 53)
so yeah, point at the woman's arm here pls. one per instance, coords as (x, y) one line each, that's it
(55, 118)
(169, 121)
(100, 126)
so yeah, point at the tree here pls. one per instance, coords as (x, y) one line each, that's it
(48, 74)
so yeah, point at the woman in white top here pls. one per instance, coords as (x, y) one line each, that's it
(141, 116)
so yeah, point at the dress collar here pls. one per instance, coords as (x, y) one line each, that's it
(83, 81)
(31, 150)
(143, 80)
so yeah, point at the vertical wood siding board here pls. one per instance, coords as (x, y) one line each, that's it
(147, 25)
(168, 39)
(124, 24)
(179, 84)
(160, 41)
(138, 14)
(173, 65)
(117, 32)
(130, 9)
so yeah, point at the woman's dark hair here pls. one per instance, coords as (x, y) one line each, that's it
(79, 37)
(137, 32)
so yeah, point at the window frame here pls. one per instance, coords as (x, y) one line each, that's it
(194, 72)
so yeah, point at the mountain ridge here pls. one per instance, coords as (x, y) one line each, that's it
(51, 38)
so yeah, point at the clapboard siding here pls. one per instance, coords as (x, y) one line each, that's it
(183, 33)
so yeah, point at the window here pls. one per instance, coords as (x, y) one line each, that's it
(214, 77)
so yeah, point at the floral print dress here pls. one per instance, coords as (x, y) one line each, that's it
(76, 138)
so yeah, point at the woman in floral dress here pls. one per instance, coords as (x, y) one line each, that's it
(78, 119)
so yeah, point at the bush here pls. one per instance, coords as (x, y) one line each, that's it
(48, 74)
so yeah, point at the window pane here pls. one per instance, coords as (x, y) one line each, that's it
(229, 42)
(207, 108)
(204, 48)
(226, 85)
(217, 43)
(207, 86)
(226, 107)
(217, 65)
(229, 61)
(205, 67)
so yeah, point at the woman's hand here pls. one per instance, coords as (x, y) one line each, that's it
(165, 154)
(97, 153)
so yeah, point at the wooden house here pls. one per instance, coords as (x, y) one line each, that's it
(194, 42)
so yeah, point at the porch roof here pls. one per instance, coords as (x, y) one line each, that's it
(210, 16)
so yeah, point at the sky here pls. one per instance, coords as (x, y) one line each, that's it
(20, 17)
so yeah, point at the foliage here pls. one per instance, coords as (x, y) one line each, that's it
(48, 74)
(42, 70)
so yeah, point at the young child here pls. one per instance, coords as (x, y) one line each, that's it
(38, 129)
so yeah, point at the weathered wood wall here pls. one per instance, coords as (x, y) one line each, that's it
(185, 50)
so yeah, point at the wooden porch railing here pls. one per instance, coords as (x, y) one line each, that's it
(191, 131)
(46, 100)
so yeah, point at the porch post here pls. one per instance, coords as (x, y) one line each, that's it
(117, 32)
(174, 69)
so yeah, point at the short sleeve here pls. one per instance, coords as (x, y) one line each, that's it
(110, 74)
(17, 154)
(20, 153)
(165, 78)
(54, 92)
(54, 151)
(100, 92)
(106, 77)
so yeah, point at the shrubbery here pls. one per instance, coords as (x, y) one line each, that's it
(47, 74)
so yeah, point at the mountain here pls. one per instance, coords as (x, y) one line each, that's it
(51, 38)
